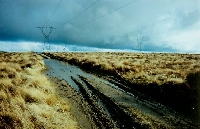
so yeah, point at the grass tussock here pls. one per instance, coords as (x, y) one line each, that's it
(27, 98)
(159, 68)
(166, 77)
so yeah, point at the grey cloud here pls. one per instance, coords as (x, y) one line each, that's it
(120, 29)
(185, 20)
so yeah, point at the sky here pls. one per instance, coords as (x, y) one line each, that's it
(100, 25)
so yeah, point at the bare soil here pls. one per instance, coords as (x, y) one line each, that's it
(169, 78)
(104, 103)
(78, 106)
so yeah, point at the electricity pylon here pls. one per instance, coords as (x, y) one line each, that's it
(46, 36)
(140, 41)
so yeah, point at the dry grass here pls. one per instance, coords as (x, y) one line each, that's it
(147, 121)
(27, 98)
(156, 68)
(170, 78)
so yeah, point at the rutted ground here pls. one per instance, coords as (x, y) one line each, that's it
(172, 79)
(27, 98)
(105, 104)
(79, 107)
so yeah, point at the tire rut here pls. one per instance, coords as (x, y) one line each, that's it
(99, 117)
(115, 116)
(122, 119)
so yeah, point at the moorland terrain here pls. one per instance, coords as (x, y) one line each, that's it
(170, 78)
(38, 93)
(27, 98)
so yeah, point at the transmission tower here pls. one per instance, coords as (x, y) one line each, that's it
(64, 48)
(46, 36)
(74, 49)
(140, 41)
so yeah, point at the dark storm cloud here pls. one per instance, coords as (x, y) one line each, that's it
(157, 20)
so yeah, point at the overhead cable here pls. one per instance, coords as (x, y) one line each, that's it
(81, 12)
(155, 23)
(107, 13)
(52, 13)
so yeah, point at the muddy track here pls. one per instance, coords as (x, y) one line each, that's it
(176, 96)
(107, 106)
(99, 117)
(122, 119)
(79, 108)
(161, 110)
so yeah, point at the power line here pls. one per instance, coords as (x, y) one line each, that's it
(81, 12)
(153, 24)
(140, 41)
(146, 32)
(46, 36)
(107, 13)
(52, 13)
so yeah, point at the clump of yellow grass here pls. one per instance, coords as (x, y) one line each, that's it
(27, 98)
(159, 68)
(172, 78)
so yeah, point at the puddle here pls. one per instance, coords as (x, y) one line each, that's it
(99, 100)
(65, 71)
(62, 71)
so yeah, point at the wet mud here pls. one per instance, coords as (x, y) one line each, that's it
(122, 119)
(105, 102)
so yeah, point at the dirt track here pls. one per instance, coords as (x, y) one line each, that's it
(98, 103)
